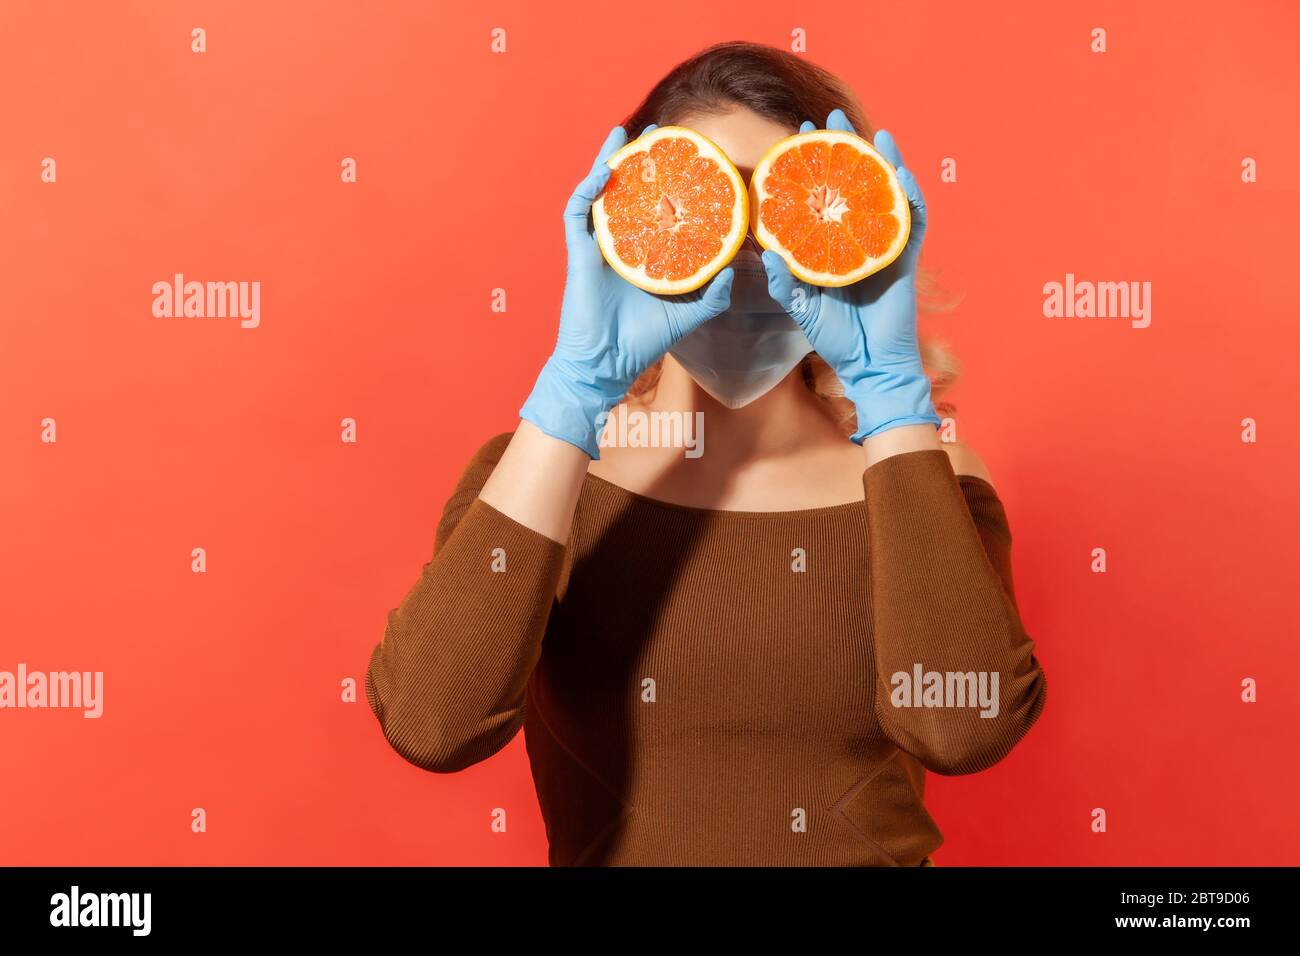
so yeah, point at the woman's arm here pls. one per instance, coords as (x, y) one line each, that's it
(943, 608)
(944, 603)
(447, 680)
(537, 481)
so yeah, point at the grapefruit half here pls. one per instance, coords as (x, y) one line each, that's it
(831, 205)
(673, 212)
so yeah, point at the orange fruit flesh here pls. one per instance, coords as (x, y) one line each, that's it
(831, 206)
(669, 209)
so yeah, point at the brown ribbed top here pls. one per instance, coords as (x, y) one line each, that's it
(687, 695)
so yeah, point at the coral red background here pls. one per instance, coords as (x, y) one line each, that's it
(223, 689)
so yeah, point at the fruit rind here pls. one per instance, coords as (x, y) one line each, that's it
(768, 241)
(731, 243)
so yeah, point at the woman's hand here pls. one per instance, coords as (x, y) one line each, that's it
(610, 331)
(866, 331)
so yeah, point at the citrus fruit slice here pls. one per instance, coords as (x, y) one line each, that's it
(831, 205)
(673, 212)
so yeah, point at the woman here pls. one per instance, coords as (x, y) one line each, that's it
(746, 656)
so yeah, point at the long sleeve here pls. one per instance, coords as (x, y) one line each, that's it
(447, 680)
(946, 624)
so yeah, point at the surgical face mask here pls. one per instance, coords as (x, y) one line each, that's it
(742, 353)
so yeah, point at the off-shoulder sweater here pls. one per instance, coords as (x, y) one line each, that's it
(703, 687)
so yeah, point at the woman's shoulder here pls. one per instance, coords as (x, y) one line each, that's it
(491, 450)
(965, 462)
(476, 471)
(473, 477)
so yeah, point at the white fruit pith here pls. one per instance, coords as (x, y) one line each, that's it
(829, 205)
(672, 212)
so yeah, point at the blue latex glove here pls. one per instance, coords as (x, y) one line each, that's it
(866, 332)
(610, 331)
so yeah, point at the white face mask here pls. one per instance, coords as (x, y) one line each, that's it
(741, 354)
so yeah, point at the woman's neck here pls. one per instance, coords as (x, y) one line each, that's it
(780, 452)
(782, 422)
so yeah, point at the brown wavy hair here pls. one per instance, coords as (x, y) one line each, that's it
(786, 89)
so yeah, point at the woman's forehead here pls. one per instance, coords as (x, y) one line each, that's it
(740, 133)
